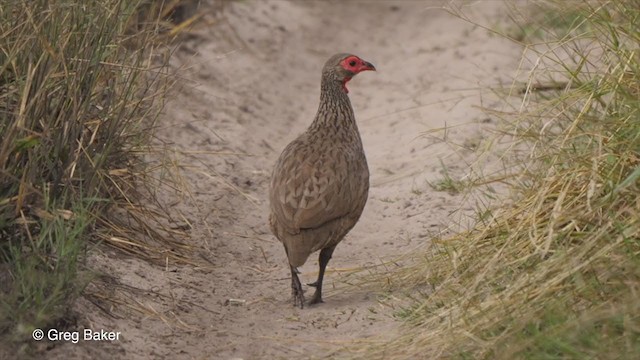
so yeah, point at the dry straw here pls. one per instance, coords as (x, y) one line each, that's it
(80, 89)
(554, 272)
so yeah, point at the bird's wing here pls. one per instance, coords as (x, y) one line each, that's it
(307, 192)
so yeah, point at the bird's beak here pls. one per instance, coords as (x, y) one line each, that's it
(368, 66)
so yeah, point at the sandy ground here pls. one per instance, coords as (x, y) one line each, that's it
(250, 85)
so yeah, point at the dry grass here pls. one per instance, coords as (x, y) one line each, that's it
(555, 272)
(81, 85)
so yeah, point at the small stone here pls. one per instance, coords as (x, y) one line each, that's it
(235, 302)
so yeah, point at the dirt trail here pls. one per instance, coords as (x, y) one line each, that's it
(253, 85)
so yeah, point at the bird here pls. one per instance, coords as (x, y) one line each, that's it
(320, 183)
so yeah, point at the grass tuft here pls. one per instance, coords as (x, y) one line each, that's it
(447, 183)
(555, 272)
(79, 88)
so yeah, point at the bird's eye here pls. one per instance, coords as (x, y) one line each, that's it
(352, 63)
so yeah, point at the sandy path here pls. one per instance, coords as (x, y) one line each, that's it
(255, 86)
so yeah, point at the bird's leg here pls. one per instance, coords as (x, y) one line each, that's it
(325, 256)
(296, 288)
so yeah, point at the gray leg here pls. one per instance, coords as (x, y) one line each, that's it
(296, 288)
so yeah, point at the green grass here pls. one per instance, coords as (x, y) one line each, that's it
(447, 183)
(554, 273)
(77, 109)
(45, 275)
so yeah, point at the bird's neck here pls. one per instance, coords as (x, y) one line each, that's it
(335, 111)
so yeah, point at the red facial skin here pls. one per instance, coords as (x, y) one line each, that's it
(355, 65)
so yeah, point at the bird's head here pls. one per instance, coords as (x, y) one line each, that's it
(343, 67)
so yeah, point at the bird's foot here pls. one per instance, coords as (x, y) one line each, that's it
(313, 284)
(296, 292)
(316, 299)
(298, 297)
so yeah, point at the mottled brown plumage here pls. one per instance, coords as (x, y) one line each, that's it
(320, 183)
